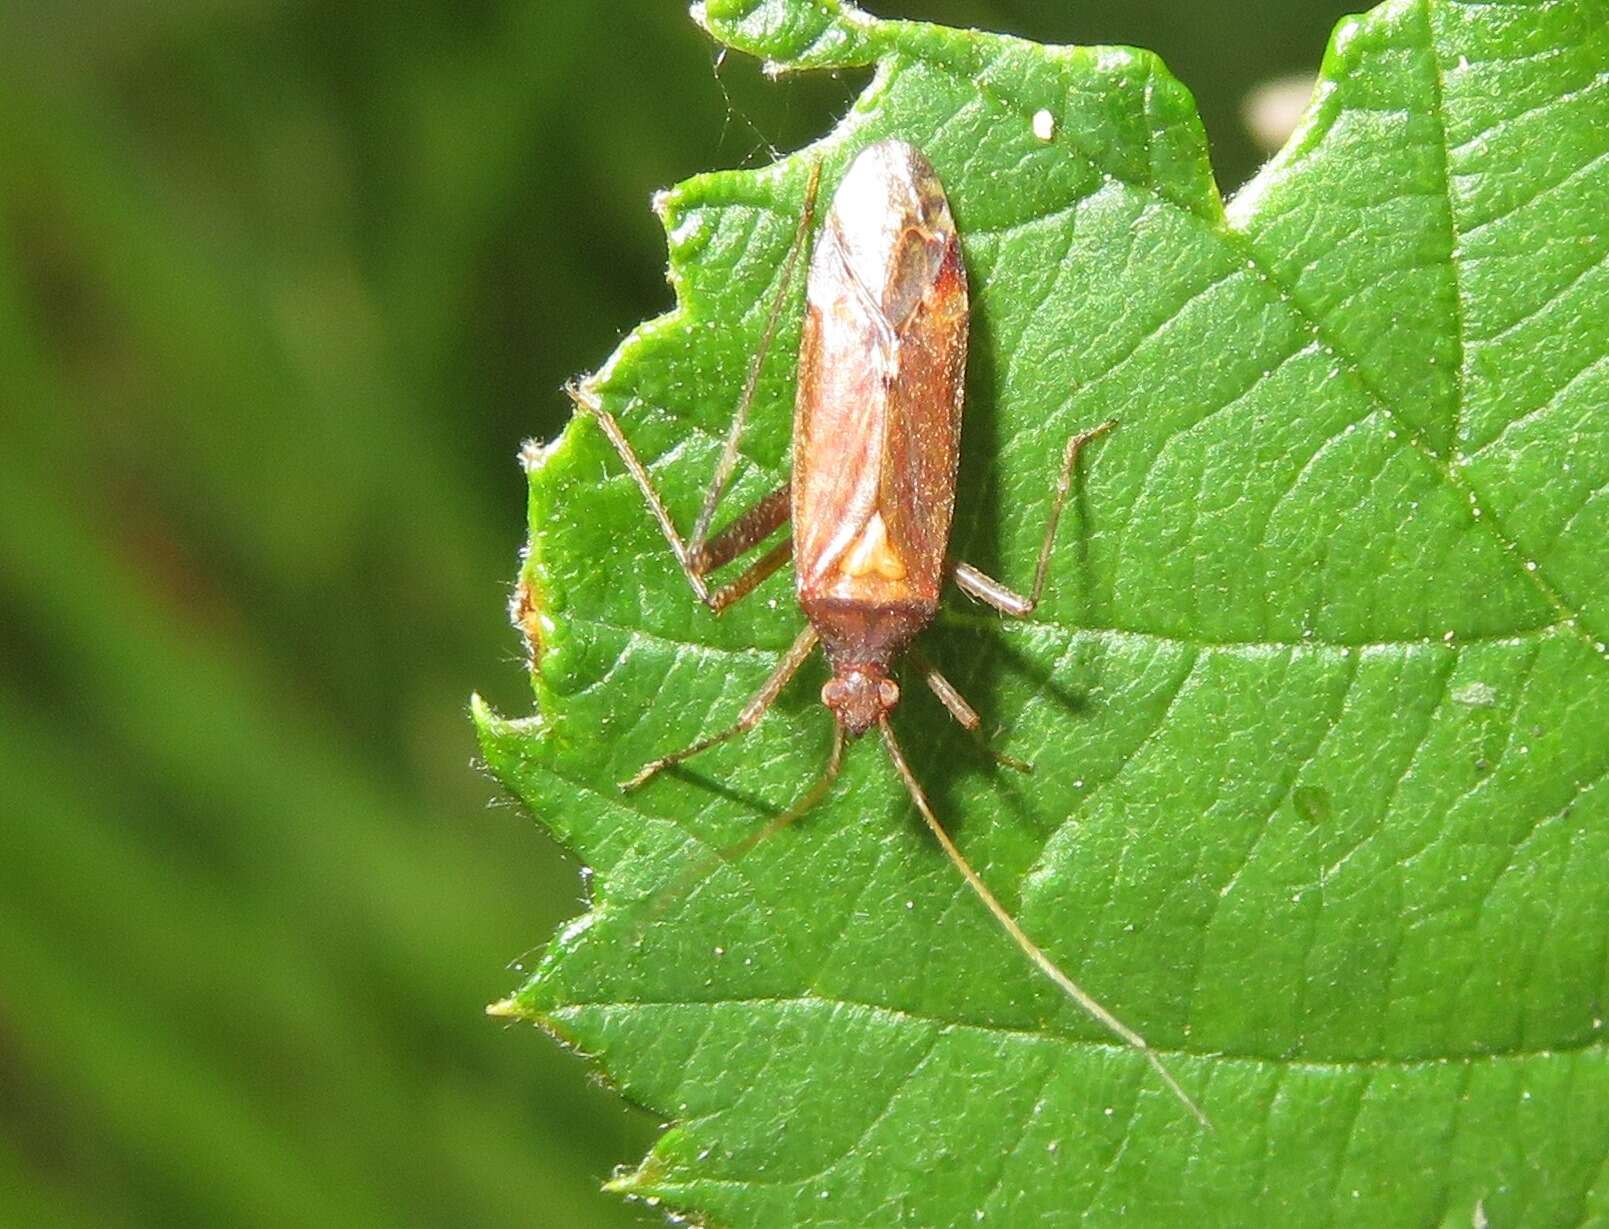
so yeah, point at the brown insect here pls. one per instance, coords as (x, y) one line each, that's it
(876, 443)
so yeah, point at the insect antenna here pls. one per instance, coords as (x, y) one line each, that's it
(1018, 936)
(701, 868)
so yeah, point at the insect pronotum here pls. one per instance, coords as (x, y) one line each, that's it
(876, 437)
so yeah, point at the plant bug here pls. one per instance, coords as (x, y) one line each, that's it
(876, 441)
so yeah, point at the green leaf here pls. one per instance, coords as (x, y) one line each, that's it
(1316, 698)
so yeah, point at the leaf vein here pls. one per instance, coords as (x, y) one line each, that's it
(1039, 1035)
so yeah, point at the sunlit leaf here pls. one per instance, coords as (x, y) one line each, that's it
(1316, 698)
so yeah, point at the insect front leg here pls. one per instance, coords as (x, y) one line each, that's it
(1007, 601)
(747, 719)
(965, 715)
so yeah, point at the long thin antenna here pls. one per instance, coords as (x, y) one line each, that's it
(1029, 948)
(702, 867)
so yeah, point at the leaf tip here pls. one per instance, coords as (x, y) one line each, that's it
(488, 724)
(503, 740)
(790, 34)
(637, 1183)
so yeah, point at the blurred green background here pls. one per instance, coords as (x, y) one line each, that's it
(283, 285)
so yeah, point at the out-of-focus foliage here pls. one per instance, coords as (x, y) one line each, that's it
(282, 285)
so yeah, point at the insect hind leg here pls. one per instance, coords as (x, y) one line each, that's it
(703, 553)
(727, 465)
(698, 558)
(986, 588)
(588, 403)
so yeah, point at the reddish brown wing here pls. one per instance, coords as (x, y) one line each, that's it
(881, 370)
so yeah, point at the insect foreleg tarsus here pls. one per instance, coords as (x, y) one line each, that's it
(747, 719)
(700, 869)
(1008, 601)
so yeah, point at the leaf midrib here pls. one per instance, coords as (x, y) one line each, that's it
(1073, 1042)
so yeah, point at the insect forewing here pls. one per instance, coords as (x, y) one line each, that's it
(881, 370)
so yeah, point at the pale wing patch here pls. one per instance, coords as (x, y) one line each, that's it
(871, 554)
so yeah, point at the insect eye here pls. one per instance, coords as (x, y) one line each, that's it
(832, 693)
(888, 692)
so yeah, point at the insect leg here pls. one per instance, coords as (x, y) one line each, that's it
(728, 462)
(965, 715)
(749, 529)
(745, 584)
(1028, 947)
(701, 555)
(587, 402)
(987, 589)
(747, 719)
